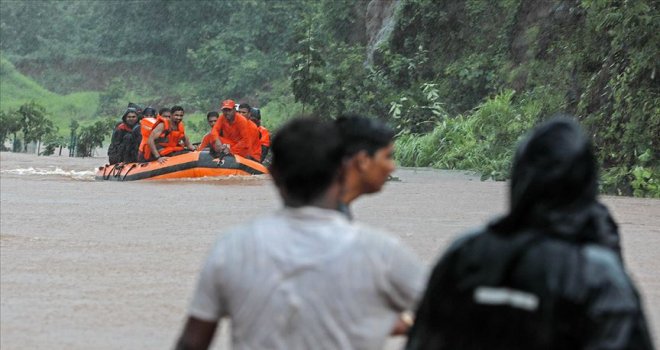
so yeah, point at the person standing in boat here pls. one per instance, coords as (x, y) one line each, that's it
(121, 144)
(211, 119)
(264, 135)
(231, 133)
(304, 276)
(166, 138)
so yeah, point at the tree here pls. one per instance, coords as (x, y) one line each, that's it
(10, 123)
(72, 142)
(306, 66)
(92, 136)
(34, 123)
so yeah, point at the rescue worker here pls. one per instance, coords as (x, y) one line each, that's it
(166, 137)
(547, 275)
(245, 110)
(121, 144)
(264, 134)
(369, 156)
(211, 119)
(237, 136)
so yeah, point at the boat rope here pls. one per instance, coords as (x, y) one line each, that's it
(104, 170)
(116, 171)
(133, 166)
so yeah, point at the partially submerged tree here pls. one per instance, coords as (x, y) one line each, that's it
(10, 124)
(34, 123)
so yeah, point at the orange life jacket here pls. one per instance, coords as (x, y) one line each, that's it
(265, 136)
(167, 142)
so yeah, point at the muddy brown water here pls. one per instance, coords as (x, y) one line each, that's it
(106, 265)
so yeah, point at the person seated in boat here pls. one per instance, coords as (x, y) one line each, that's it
(148, 112)
(231, 133)
(138, 108)
(211, 119)
(167, 138)
(245, 110)
(264, 139)
(369, 152)
(121, 144)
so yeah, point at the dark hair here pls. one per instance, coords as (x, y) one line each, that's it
(363, 134)
(245, 105)
(163, 110)
(177, 108)
(307, 158)
(255, 113)
(149, 110)
(212, 114)
(129, 110)
(135, 106)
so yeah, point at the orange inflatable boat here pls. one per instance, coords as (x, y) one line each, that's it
(192, 164)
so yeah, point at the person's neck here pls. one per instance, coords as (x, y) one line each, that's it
(352, 188)
(328, 200)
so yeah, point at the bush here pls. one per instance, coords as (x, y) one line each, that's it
(483, 141)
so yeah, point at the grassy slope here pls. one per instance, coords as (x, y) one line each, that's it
(16, 89)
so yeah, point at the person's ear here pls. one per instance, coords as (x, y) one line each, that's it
(362, 160)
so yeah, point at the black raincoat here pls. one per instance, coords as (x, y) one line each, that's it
(124, 141)
(548, 275)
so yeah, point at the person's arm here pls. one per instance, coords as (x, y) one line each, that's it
(406, 279)
(152, 141)
(205, 142)
(207, 306)
(403, 324)
(186, 140)
(197, 334)
(214, 139)
(407, 276)
(613, 305)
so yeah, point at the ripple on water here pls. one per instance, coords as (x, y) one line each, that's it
(50, 171)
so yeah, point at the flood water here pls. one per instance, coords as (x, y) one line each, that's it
(108, 265)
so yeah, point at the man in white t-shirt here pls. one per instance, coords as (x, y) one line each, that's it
(304, 277)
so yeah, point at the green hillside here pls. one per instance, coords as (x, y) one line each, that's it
(17, 89)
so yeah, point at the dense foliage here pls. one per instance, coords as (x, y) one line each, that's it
(462, 80)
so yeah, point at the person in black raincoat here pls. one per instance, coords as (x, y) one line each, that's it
(121, 142)
(548, 275)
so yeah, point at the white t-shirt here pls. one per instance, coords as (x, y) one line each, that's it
(308, 278)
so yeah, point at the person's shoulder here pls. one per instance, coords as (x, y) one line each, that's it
(609, 288)
(240, 118)
(252, 227)
(376, 240)
(464, 240)
(603, 266)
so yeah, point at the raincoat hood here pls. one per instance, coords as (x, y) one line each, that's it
(129, 110)
(554, 184)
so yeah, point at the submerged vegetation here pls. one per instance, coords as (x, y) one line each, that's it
(461, 80)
